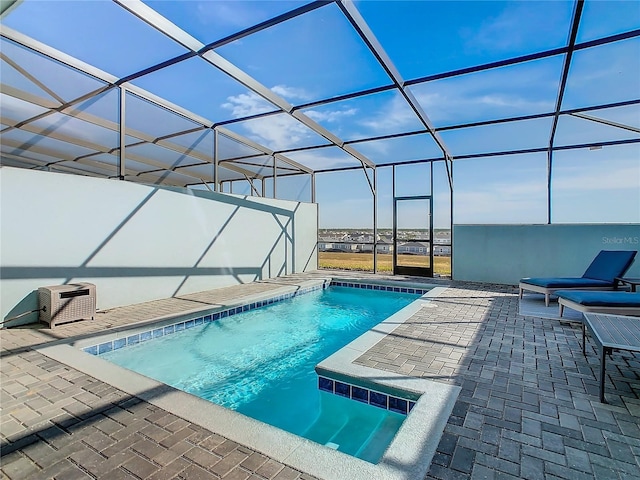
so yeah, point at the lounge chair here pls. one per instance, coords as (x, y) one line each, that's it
(600, 275)
(614, 303)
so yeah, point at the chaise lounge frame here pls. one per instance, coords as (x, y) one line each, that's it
(600, 275)
(604, 309)
(550, 291)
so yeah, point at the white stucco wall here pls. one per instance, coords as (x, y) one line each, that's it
(139, 243)
(506, 253)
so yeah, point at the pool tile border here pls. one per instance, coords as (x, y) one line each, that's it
(157, 332)
(365, 395)
(375, 286)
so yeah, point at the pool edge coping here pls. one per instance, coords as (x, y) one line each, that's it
(299, 453)
(441, 397)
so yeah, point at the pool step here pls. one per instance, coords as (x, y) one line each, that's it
(374, 447)
(353, 428)
(324, 428)
(351, 436)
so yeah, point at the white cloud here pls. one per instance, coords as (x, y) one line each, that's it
(290, 93)
(226, 13)
(250, 103)
(247, 104)
(277, 132)
(324, 158)
(499, 206)
(591, 180)
(331, 116)
(507, 31)
(498, 93)
(393, 115)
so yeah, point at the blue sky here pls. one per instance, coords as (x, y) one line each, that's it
(317, 56)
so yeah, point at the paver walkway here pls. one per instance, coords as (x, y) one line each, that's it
(528, 408)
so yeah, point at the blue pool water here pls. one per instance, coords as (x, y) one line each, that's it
(261, 363)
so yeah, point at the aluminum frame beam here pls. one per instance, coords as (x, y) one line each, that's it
(195, 47)
(573, 34)
(239, 138)
(68, 109)
(606, 122)
(367, 35)
(171, 30)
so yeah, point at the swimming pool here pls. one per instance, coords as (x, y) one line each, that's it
(260, 362)
(408, 456)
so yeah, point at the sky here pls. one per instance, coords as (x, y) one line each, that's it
(317, 56)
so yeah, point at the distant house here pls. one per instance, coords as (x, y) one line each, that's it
(337, 246)
(382, 246)
(385, 245)
(442, 250)
(414, 248)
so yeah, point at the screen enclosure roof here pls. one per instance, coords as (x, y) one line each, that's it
(199, 92)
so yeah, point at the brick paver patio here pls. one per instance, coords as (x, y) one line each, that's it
(528, 407)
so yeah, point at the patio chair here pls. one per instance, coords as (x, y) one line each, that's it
(600, 275)
(613, 303)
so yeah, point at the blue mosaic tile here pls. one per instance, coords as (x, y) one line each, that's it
(342, 389)
(398, 405)
(378, 399)
(119, 343)
(93, 350)
(360, 394)
(325, 384)
(411, 405)
(177, 327)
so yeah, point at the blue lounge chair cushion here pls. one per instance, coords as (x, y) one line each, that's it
(601, 299)
(566, 282)
(610, 264)
(602, 272)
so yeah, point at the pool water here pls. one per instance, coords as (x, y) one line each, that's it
(261, 364)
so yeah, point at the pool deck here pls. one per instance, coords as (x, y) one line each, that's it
(528, 406)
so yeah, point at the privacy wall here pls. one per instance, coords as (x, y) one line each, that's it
(138, 243)
(506, 253)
